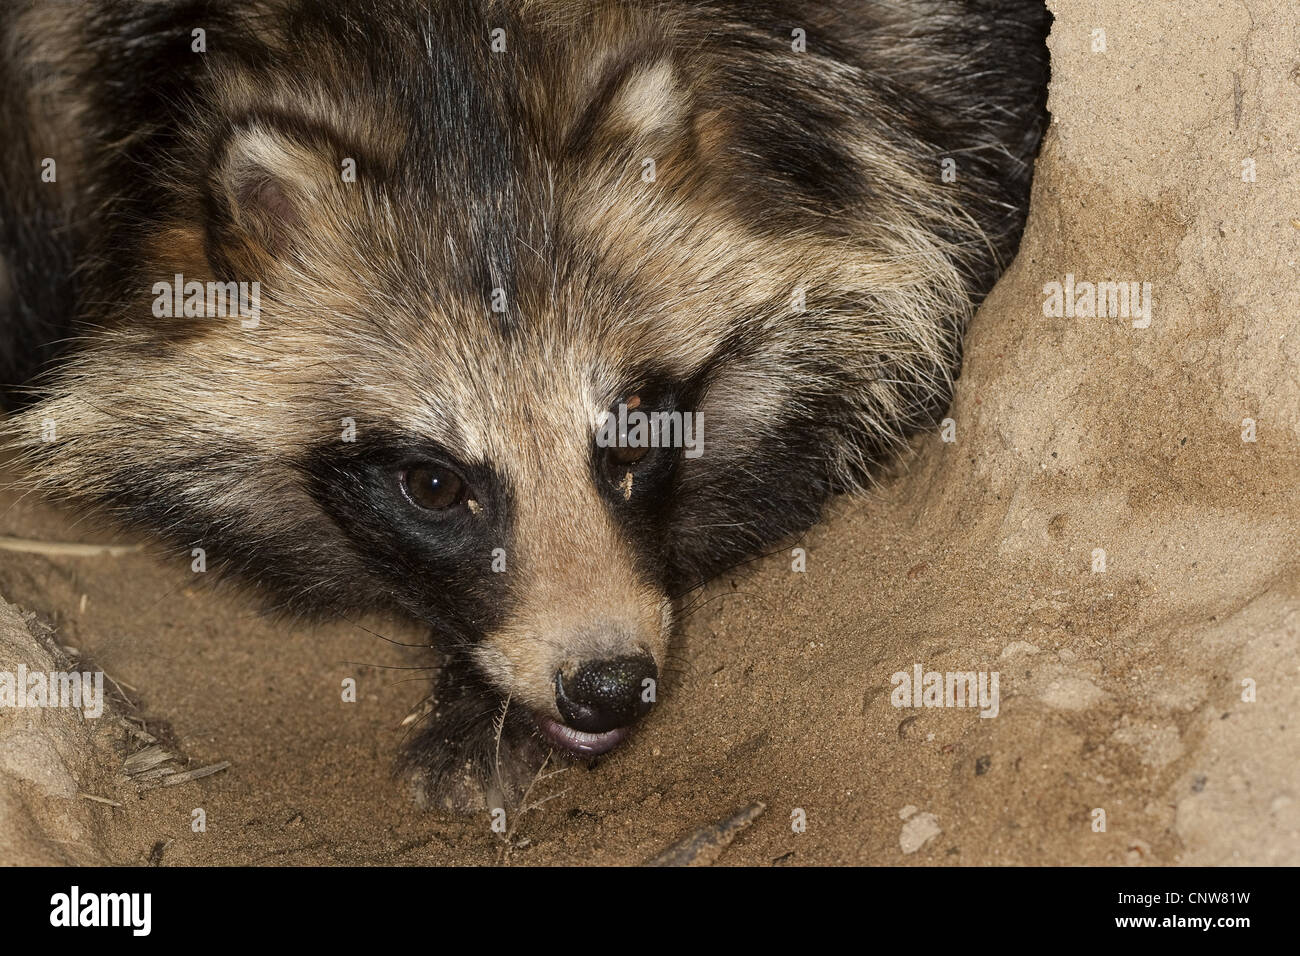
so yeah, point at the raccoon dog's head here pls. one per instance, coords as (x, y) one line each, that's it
(546, 331)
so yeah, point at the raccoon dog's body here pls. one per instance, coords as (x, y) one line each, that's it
(475, 227)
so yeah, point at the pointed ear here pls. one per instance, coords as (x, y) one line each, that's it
(649, 101)
(639, 101)
(262, 191)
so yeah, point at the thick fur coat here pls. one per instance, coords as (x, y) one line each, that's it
(475, 227)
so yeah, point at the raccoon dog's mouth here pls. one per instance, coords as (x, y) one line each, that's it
(579, 742)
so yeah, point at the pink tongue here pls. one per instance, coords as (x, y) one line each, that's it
(577, 741)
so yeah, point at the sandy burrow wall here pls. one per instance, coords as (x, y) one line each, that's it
(1173, 159)
(50, 756)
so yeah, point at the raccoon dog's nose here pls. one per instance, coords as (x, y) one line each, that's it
(597, 696)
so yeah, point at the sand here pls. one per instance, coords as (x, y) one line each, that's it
(1160, 691)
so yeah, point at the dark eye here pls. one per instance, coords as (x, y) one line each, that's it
(626, 454)
(622, 453)
(433, 487)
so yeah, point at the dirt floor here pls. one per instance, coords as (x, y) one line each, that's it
(1163, 689)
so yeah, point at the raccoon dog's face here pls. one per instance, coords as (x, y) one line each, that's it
(466, 259)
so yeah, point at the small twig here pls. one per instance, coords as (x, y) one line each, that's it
(66, 549)
(507, 838)
(119, 685)
(148, 759)
(534, 806)
(707, 843)
(189, 775)
(91, 796)
(499, 724)
(523, 802)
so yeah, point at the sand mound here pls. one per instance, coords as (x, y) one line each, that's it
(1110, 531)
(47, 754)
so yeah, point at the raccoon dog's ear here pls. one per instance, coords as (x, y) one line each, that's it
(648, 100)
(640, 100)
(263, 190)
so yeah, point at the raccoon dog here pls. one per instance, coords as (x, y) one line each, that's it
(518, 319)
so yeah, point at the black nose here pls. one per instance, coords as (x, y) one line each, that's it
(597, 696)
